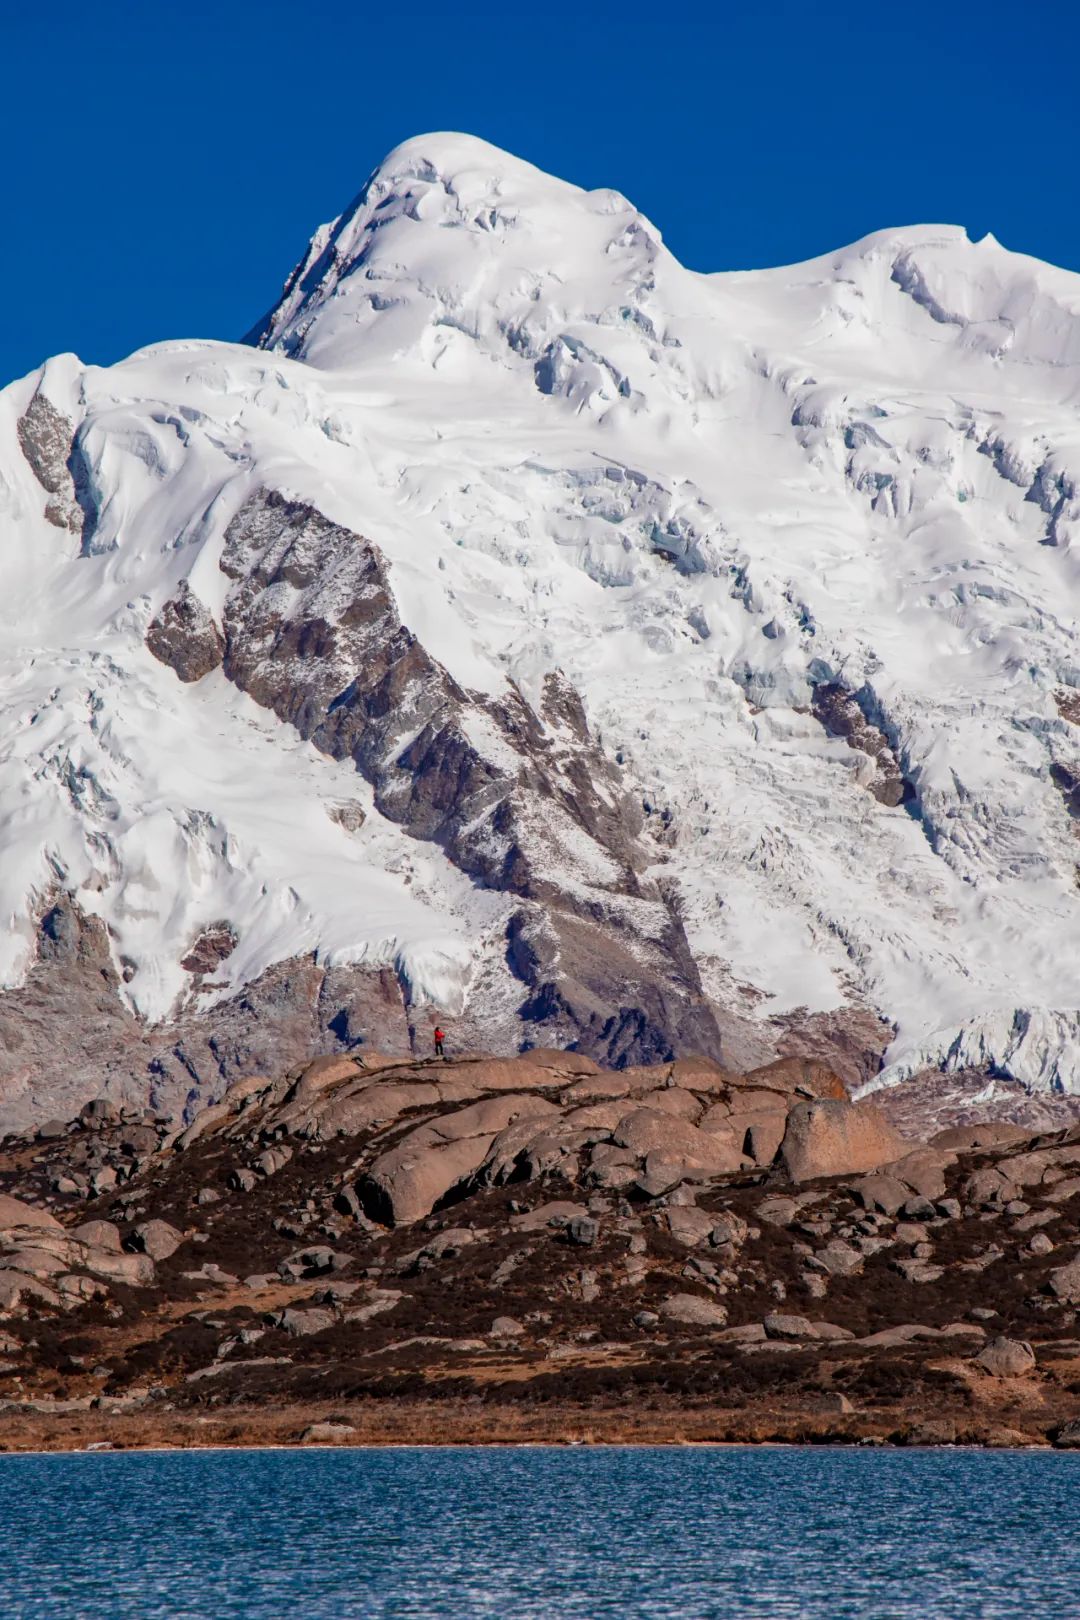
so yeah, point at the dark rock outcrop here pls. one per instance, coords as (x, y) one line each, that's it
(45, 439)
(520, 801)
(840, 713)
(184, 636)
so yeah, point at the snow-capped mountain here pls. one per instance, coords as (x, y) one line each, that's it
(523, 630)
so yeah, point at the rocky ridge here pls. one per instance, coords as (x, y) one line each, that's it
(362, 1240)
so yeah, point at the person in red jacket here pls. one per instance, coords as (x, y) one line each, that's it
(439, 1038)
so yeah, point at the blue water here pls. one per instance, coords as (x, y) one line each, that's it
(515, 1534)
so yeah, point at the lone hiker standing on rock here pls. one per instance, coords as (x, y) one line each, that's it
(439, 1038)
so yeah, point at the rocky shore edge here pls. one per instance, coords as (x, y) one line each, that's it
(447, 1424)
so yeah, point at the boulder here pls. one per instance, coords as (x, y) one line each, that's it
(671, 1100)
(1068, 1436)
(156, 1238)
(833, 1138)
(299, 1324)
(554, 1058)
(701, 1074)
(653, 1130)
(17, 1289)
(1028, 1169)
(918, 1270)
(14, 1213)
(558, 1212)
(248, 1086)
(777, 1211)
(835, 1404)
(444, 1245)
(728, 1229)
(599, 1116)
(761, 1137)
(972, 1138)
(327, 1434)
(274, 1159)
(313, 1262)
(831, 1332)
(690, 1226)
(357, 1108)
(894, 1338)
(604, 1085)
(1007, 1358)
(923, 1171)
(694, 1310)
(36, 1262)
(745, 1333)
(801, 1076)
(881, 1192)
(407, 1183)
(505, 1327)
(779, 1325)
(383, 1299)
(98, 1234)
(839, 1259)
(136, 1270)
(1065, 1282)
(989, 1186)
(205, 1121)
(583, 1229)
(322, 1074)
(98, 1113)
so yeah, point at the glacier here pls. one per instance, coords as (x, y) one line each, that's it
(726, 508)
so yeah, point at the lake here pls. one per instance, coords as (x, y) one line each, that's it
(540, 1532)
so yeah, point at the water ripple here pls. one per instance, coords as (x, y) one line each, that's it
(533, 1533)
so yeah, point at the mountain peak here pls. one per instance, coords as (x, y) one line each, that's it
(544, 632)
(456, 222)
(449, 155)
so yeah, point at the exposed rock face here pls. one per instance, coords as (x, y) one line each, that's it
(521, 802)
(840, 713)
(1066, 778)
(67, 1032)
(45, 438)
(851, 1041)
(184, 636)
(1068, 704)
(213, 946)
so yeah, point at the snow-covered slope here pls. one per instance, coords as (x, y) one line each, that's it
(804, 542)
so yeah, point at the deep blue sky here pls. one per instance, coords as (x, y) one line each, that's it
(164, 164)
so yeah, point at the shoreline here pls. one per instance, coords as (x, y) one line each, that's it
(440, 1426)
